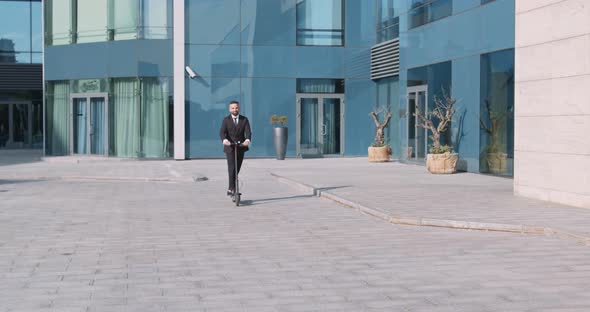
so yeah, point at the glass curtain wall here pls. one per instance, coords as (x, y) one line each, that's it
(57, 118)
(320, 23)
(497, 113)
(124, 19)
(438, 78)
(20, 32)
(91, 21)
(105, 20)
(156, 19)
(387, 20)
(388, 101)
(124, 118)
(154, 117)
(58, 22)
(139, 116)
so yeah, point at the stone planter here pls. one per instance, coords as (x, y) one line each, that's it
(380, 154)
(280, 140)
(497, 162)
(442, 163)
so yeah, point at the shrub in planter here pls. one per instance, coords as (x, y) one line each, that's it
(280, 135)
(380, 151)
(440, 158)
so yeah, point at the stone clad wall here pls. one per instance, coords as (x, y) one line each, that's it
(552, 101)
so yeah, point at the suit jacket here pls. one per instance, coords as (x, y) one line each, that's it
(234, 133)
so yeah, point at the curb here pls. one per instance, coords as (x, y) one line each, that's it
(432, 222)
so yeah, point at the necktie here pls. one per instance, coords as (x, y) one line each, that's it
(236, 121)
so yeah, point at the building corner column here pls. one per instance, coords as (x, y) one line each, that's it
(179, 80)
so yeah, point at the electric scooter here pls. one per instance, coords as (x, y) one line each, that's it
(236, 195)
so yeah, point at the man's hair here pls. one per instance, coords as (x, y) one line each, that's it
(234, 102)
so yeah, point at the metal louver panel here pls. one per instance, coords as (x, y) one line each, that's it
(385, 59)
(21, 77)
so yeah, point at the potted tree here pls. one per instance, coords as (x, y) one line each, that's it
(379, 151)
(496, 156)
(440, 158)
(280, 135)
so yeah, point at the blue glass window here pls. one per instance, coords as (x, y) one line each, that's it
(387, 20)
(104, 20)
(20, 31)
(320, 22)
(320, 85)
(497, 113)
(427, 11)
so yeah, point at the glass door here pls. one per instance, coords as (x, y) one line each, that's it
(320, 125)
(4, 124)
(97, 126)
(15, 125)
(332, 125)
(89, 124)
(308, 132)
(80, 123)
(417, 136)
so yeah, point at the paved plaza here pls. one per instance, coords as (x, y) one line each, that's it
(83, 234)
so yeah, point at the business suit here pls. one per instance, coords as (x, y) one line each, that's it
(234, 133)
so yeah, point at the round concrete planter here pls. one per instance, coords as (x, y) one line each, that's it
(442, 163)
(280, 140)
(497, 162)
(379, 154)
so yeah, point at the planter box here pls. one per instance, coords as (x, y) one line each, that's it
(380, 154)
(497, 162)
(442, 163)
(280, 140)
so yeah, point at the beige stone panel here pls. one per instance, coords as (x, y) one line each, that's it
(562, 96)
(556, 59)
(576, 200)
(555, 134)
(562, 20)
(527, 5)
(553, 172)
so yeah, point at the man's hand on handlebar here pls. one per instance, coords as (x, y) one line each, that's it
(226, 142)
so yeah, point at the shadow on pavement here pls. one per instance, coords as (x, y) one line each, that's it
(254, 202)
(329, 188)
(6, 182)
(16, 157)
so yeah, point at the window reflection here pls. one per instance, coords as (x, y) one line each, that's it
(20, 30)
(15, 25)
(387, 20)
(423, 11)
(497, 113)
(320, 23)
(106, 20)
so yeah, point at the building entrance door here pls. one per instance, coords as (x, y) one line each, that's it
(89, 124)
(417, 136)
(16, 121)
(320, 125)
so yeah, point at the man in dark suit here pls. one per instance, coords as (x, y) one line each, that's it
(234, 128)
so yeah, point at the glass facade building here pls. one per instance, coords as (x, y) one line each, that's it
(21, 110)
(110, 79)
(461, 48)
